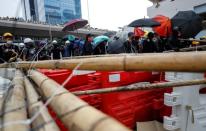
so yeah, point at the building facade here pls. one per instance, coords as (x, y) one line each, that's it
(170, 7)
(61, 11)
(50, 11)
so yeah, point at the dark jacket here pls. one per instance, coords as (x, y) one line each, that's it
(87, 48)
(149, 46)
(130, 47)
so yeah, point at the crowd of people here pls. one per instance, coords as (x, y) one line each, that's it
(30, 50)
(19, 19)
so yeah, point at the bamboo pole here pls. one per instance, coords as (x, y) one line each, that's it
(34, 106)
(201, 47)
(196, 40)
(139, 87)
(186, 62)
(16, 100)
(76, 114)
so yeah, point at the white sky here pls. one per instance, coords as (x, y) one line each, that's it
(111, 14)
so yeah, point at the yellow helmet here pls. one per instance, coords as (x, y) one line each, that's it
(7, 36)
(195, 42)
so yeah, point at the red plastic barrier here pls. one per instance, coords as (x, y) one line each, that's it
(115, 79)
(127, 107)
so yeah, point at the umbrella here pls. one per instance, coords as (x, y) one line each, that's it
(144, 23)
(110, 33)
(97, 40)
(165, 29)
(74, 24)
(138, 32)
(116, 46)
(188, 22)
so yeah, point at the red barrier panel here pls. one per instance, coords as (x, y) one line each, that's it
(127, 107)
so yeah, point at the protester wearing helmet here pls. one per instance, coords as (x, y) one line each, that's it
(29, 50)
(57, 50)
(66, 49)
(7, 36)
(22, 51)
(9, 52)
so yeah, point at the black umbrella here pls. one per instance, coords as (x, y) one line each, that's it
(189, 23)
(144, 23)
(116, 46)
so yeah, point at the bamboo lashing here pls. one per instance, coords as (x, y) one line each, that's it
(138, 87)
(184, 62)
(34, 106)
(16, 99)
(77, 114)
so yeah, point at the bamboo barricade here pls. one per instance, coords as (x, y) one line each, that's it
(138, 87)
(34, 106)
(76, 114)
(196, 40)
(16, 100)
(184, 62)
(201, 47)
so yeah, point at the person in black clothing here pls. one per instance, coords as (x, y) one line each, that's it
(9, 52)
(87, 48)
(158, 43)
(100, 49)
(148, 44)
(30, 49)
(130, 44)
(1, 54)
(174, 42)
(57, 50)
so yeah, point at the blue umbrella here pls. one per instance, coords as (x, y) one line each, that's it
(97, 40)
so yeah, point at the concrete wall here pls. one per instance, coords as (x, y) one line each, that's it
(170, 8)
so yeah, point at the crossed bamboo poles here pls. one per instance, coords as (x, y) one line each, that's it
(73, 111)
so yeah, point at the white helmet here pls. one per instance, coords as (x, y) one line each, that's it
(28, 40)
(21, 45)
(54, 42)
(67, 42)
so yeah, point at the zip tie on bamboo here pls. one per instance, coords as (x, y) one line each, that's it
(34, 107)
(138, 87)
(16, 120)
(78, 115)
(178, 61)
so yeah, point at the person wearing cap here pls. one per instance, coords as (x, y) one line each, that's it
(129, 43)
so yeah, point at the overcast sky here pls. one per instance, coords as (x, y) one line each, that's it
(111, 14)
(105, 14)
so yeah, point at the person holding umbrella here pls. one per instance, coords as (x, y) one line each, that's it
(99, 45)
(100, 48)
